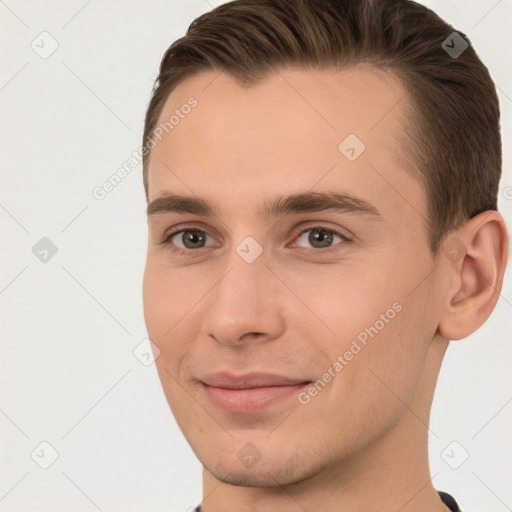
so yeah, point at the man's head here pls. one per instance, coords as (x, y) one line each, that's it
(330, 150)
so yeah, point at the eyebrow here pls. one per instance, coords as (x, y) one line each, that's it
(278, 206)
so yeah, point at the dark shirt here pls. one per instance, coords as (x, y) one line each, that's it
(449, 501)
(446, 498)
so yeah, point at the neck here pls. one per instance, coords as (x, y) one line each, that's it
(389, 475)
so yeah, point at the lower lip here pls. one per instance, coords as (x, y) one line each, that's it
(249, 400)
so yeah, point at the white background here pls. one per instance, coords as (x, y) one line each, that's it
(68, 375)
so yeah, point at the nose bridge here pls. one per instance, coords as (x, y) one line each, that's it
(246, 273)
(245, 284)
(244, 299)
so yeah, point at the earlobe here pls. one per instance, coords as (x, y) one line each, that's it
(477, 276)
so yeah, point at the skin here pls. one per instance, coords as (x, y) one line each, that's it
(361, 443)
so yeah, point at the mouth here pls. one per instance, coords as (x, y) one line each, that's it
(250, 392)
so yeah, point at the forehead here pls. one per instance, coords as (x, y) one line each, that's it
(292, 131)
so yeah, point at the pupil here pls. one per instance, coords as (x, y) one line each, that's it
(193, 238)
(321, 236)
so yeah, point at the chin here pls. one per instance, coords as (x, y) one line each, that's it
(268, 473)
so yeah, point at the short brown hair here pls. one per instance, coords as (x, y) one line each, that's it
(453, 132)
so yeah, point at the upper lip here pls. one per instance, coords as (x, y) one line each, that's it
(249, 380)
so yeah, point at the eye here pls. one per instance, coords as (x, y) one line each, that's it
(320, 237)
(187, 239)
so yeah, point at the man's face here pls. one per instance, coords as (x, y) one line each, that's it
(311, 298)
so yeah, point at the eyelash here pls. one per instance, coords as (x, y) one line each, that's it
(166, 240)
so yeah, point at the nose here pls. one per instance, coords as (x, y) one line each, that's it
(245, 305)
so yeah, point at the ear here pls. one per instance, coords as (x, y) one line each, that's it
(476, 257)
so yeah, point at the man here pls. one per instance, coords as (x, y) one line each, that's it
(318, 230)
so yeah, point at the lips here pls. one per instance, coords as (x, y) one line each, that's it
(249, 380)
(249, 392)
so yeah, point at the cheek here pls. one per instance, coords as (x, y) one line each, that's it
(162, 312)
(347, 302)
(373, 328)
(164, 307)
(168, 296)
